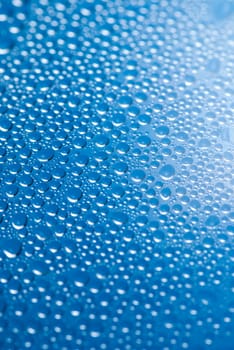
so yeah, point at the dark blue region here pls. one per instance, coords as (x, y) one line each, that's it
(13, 15)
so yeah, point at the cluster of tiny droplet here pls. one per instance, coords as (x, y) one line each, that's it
(116, 174)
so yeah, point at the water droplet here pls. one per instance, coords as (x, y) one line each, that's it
(11, 247)
(167, 172)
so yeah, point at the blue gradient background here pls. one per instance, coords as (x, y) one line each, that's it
(116, 174)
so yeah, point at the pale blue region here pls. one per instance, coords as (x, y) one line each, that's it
(222, 9)
(228, 134)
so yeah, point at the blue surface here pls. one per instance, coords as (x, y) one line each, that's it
(116, 175)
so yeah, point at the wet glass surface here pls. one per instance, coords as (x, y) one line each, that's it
(116, 174)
